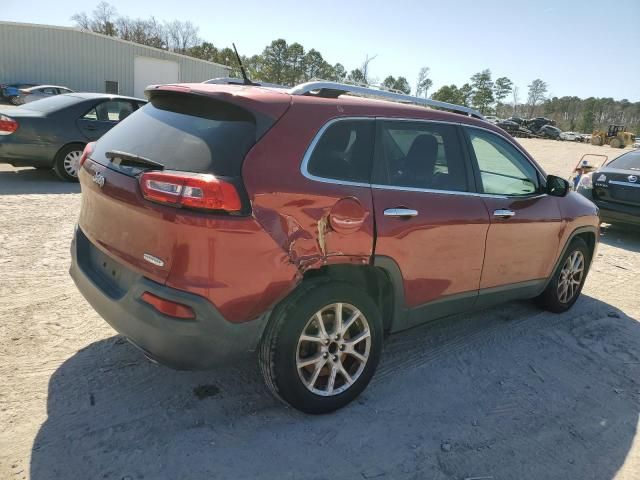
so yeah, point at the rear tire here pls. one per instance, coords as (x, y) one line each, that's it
(66, 163)
(320, 368)
(566, 284)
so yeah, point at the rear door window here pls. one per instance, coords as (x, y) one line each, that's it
(344, 152)
(421, 155)
(183, 132)
(110, 111)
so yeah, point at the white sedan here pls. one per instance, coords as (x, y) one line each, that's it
(41, 91)
(571, 136)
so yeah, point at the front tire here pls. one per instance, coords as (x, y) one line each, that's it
(566, 284)
(67, 162)
(616, 143)
(322, 346)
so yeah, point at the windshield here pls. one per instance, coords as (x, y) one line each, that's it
(51, 104)
(628, 161)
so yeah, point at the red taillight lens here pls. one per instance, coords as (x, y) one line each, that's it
(190, 190)
(88, 150)
(7, 125)
(168, 307)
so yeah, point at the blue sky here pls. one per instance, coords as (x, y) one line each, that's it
(553, 40)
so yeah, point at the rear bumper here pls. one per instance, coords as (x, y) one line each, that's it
(26, 155)
(611, 212)
(207, 341)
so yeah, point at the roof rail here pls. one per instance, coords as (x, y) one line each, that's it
(240, 81)
(334, 90)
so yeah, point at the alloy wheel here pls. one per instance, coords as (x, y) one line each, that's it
(570, 276)
(333, 349)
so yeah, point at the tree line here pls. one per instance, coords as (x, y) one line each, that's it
(290, 64)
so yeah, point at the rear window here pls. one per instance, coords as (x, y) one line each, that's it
(52, 104)
(183, 132)
(628, 161)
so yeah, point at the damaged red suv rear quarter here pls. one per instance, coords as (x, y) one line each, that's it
(209, 229)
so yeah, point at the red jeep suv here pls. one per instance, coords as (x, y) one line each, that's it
(304, 224)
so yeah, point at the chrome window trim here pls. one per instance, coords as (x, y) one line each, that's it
(456, 192)
(624, 184)
(307, 156)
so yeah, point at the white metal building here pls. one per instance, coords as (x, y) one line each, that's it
(90, 62)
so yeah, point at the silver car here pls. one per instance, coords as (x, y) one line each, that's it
(41, 91)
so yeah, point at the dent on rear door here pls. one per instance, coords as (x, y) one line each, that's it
(315, 222)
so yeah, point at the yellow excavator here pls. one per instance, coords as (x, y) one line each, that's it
(615, 137)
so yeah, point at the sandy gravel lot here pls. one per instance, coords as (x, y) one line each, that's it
(506, 393)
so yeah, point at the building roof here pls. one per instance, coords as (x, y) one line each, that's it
(115, 39)
(90, 95)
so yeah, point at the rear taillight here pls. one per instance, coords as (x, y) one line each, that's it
(7, 125)
(88, 150)
(190, 190)
(173, 309)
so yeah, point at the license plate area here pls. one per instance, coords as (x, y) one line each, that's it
(111, 276)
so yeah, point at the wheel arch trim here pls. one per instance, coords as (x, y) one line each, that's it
(577, 231)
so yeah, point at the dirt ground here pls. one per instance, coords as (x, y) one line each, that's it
(506, 393)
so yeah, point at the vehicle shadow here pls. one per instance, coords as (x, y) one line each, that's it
(626, 237)
(509, 392)
(26, 181)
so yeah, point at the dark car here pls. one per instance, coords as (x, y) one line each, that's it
(307, 223)
(536, 124)
(52, 132)
(615, 189)
(508, 126)
(548, 131)
(517, 120)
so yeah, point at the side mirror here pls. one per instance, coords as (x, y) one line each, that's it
(557, 186)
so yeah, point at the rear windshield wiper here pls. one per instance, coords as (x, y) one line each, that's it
(123, 158)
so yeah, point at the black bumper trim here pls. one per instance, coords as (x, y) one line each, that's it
(207, 341)
(611, 212)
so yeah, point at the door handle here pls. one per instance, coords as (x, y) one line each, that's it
(400, 212)
(503, 213)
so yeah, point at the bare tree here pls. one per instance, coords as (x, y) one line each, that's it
(102, 20)
(82, 20)
(515, 92)
(424, 83)
(537, 90)
(146, 32)
(181, 35)
(365, 67)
